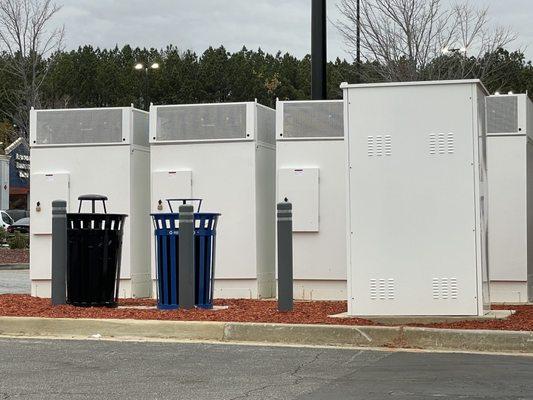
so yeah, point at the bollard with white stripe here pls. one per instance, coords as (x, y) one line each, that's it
(59, 252)
(285, 273)
(186, 273)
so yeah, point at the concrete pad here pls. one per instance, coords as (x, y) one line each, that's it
(405, 320)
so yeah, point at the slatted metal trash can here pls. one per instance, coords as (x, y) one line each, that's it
(94, 254)
(166, 231)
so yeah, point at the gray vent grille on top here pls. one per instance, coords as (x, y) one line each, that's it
(79, 126)
(140, 128)
(266, 125)
(314, 119)
(201, 122)
(502, 114)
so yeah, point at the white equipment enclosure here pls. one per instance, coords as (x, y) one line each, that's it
(224, 154)
(310, 164)
(91, 151)
(417, 218)
(510, 166)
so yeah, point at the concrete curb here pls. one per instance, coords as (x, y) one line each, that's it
(469, 340)
(310, 335)
(14, 267)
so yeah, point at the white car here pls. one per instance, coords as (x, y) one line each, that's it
(5, 220)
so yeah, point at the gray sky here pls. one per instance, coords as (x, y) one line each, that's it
(197, 24)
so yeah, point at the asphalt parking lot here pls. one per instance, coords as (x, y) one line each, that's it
(56, 369)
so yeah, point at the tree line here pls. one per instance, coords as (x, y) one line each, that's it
(94, 77)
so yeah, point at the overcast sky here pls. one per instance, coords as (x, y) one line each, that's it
(197, 24)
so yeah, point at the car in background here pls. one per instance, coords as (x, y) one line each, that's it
(17, 214)
(5, 219)
(21, 226)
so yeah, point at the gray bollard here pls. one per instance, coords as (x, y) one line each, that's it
(186, 258)
(59, 252)
(285, 278)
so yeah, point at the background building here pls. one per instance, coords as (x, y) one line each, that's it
(19, 174)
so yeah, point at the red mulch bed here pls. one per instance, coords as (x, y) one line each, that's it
(315, 312)
(14, 256)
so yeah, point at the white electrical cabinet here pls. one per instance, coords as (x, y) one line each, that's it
(224, 154)
(510, 170)
(416, 211)
(310, 174)
(91, 151)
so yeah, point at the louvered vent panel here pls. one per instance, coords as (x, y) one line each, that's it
(382, 289)
(370, 146)
(502, 114)
(379, 146)
(445, 289)
(441, 143)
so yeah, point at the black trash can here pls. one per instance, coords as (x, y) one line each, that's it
(94, 253)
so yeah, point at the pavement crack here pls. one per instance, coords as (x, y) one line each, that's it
(248, 393)
(293, 374)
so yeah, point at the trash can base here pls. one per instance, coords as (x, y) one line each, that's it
(88, 305)
(167, 307)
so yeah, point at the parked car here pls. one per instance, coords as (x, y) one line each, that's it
(21, 226)
(5, 219)
(16, 214)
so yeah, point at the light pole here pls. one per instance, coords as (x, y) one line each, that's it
(358, 11)
(142, 67)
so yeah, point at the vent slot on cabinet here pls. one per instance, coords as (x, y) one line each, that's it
(445, 289)
(502, 114)
(382, 289)
(379, 146)
(441, 143)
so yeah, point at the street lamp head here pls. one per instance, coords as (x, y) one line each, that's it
(139, 66)
(154, 66)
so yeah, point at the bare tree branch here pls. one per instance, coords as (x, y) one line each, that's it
(27, 42)
(405, 38)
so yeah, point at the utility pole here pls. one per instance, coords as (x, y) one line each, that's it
(359, 74)
(318, 50)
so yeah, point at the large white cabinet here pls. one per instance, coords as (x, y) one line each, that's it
(310, 174)
(510, 170)
(417, 198)
(224, 154)
(85, 151)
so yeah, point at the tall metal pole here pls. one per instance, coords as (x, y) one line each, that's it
(146, 104)
(359, 74)
(318, 50)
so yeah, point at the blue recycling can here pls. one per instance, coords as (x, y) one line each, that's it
(166, 231)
